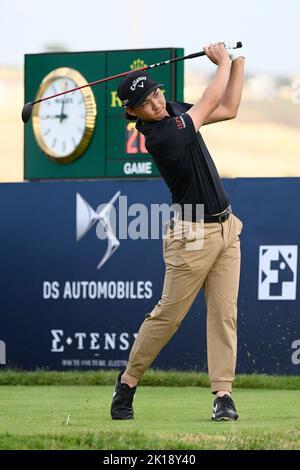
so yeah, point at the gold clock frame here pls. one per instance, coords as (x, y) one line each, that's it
(90, 120)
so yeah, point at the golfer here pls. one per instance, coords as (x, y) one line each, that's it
(172, 136)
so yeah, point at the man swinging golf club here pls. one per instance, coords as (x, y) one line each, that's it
(172, 138)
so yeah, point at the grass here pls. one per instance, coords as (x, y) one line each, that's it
(35, 417)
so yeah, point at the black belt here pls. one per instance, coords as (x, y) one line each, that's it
(218, 218)
(207, 218)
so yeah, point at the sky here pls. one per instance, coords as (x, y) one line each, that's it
(267, 28)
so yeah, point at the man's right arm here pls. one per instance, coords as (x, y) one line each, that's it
(213, 94)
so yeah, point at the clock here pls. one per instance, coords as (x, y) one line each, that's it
(64, 126)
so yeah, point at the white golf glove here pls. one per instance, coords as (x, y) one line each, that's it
(234, 53)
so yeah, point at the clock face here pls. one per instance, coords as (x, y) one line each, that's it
(63, 126)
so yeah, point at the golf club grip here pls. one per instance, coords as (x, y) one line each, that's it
(196, 54)
(199, 54)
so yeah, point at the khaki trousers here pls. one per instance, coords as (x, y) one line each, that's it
(214, 266)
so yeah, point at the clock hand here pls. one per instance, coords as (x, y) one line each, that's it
(62, 111)
(64, 116)
(49, 116)
(61, 116)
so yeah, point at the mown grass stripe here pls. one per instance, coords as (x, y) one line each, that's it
(135, 440)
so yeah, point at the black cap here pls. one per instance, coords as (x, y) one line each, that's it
(135, 87)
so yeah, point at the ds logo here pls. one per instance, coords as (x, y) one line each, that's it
(277, 273)
(86, 217)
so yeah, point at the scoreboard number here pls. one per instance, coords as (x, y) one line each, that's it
(135, 141)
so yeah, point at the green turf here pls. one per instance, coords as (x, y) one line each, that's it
(166, 418)
(151, 377)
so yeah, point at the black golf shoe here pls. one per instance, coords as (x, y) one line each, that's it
(224, 409)
(121, 406)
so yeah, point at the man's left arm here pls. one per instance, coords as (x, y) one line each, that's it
(231, 100)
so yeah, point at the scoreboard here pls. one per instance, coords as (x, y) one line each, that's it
(84, 134)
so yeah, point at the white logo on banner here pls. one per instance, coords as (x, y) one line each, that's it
(296, 354)
(277, 273)
(2, 353)
(86, 217)
(92, 341)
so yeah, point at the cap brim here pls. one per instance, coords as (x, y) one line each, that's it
(144, 96)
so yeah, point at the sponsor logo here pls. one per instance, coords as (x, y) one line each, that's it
(296, 354)
(138, 64)
(180, 122)
(111, 290)
(2, 352)
(136, 82)
(90, 341)
(86, 217)
(277, 273)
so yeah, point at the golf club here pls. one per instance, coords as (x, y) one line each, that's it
(27, 109)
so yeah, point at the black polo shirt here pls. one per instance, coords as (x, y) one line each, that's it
(183, 160)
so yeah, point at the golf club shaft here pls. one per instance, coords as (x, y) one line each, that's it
(166, 62)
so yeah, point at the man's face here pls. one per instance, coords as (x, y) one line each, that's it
(152, 109)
